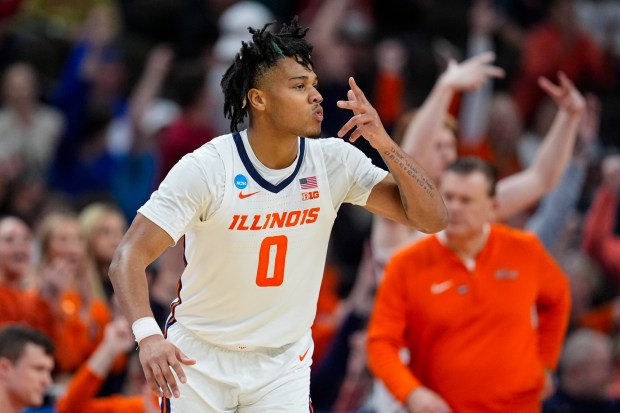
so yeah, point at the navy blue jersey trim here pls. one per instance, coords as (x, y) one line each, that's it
(254, 173)
(165, 405)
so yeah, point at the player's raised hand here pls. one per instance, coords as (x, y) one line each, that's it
(159, 358)
(565, 94)
(471, 73)
(365, 121)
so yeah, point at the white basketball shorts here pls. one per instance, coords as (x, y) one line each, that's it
(242, 380)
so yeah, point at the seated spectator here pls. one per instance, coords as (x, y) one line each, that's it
(585, 373)
(104, 225)
(19, 302)
(26, 364)
(67, 277)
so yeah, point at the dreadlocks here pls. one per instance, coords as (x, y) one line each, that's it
(255, 58)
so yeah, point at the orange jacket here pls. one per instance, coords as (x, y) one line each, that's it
(472, 336)
(80, 397)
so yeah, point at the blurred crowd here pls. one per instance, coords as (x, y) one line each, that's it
(99, 98)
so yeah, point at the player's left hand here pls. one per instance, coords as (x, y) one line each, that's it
(365, 118)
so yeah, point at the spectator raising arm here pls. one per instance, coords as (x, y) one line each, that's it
(521, 190)
(419, 138)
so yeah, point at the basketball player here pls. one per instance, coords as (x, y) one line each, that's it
(255, 209)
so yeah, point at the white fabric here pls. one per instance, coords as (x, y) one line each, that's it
(275, 380)
(223, 297)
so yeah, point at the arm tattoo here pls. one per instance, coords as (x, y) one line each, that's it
(398, 159)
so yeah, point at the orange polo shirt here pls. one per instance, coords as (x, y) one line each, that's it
(481, 338)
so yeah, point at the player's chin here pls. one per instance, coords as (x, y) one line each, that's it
(313, 133)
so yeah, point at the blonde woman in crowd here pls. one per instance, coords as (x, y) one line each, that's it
(103, 225)
(68, 279)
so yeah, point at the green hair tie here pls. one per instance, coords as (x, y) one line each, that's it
(278, 50)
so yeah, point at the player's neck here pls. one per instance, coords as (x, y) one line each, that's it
(274, 150)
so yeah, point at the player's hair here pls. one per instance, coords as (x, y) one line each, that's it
(255, 58)
(14, 338)
(470, 164)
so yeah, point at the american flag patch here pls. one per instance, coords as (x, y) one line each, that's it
(308, 183)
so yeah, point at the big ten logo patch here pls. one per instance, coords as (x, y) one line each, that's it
(305, 196)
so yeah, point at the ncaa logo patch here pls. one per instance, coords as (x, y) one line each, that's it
(241, 181)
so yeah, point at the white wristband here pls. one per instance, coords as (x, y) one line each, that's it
(145, 327)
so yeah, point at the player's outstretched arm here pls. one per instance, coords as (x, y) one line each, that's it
(407, 195)
(468, 75)
(521, 190)
(141, 245)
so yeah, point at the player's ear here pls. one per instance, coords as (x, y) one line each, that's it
(256, 99)
(5, 366)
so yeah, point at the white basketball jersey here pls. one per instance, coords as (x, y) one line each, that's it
(256, 250)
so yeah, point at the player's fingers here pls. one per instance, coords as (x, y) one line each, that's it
(160, 381)
(170, 381)
(352, 98)
(184, 358)
(355, 135)
(351, 95)
(178, 370)
(175, 364)
(351, 123)
(152, 382)
(357, 120)
(354, 105)
(360, 96)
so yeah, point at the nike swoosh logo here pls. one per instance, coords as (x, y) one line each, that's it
(243, 196)
(303, 356)
(439, 288)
